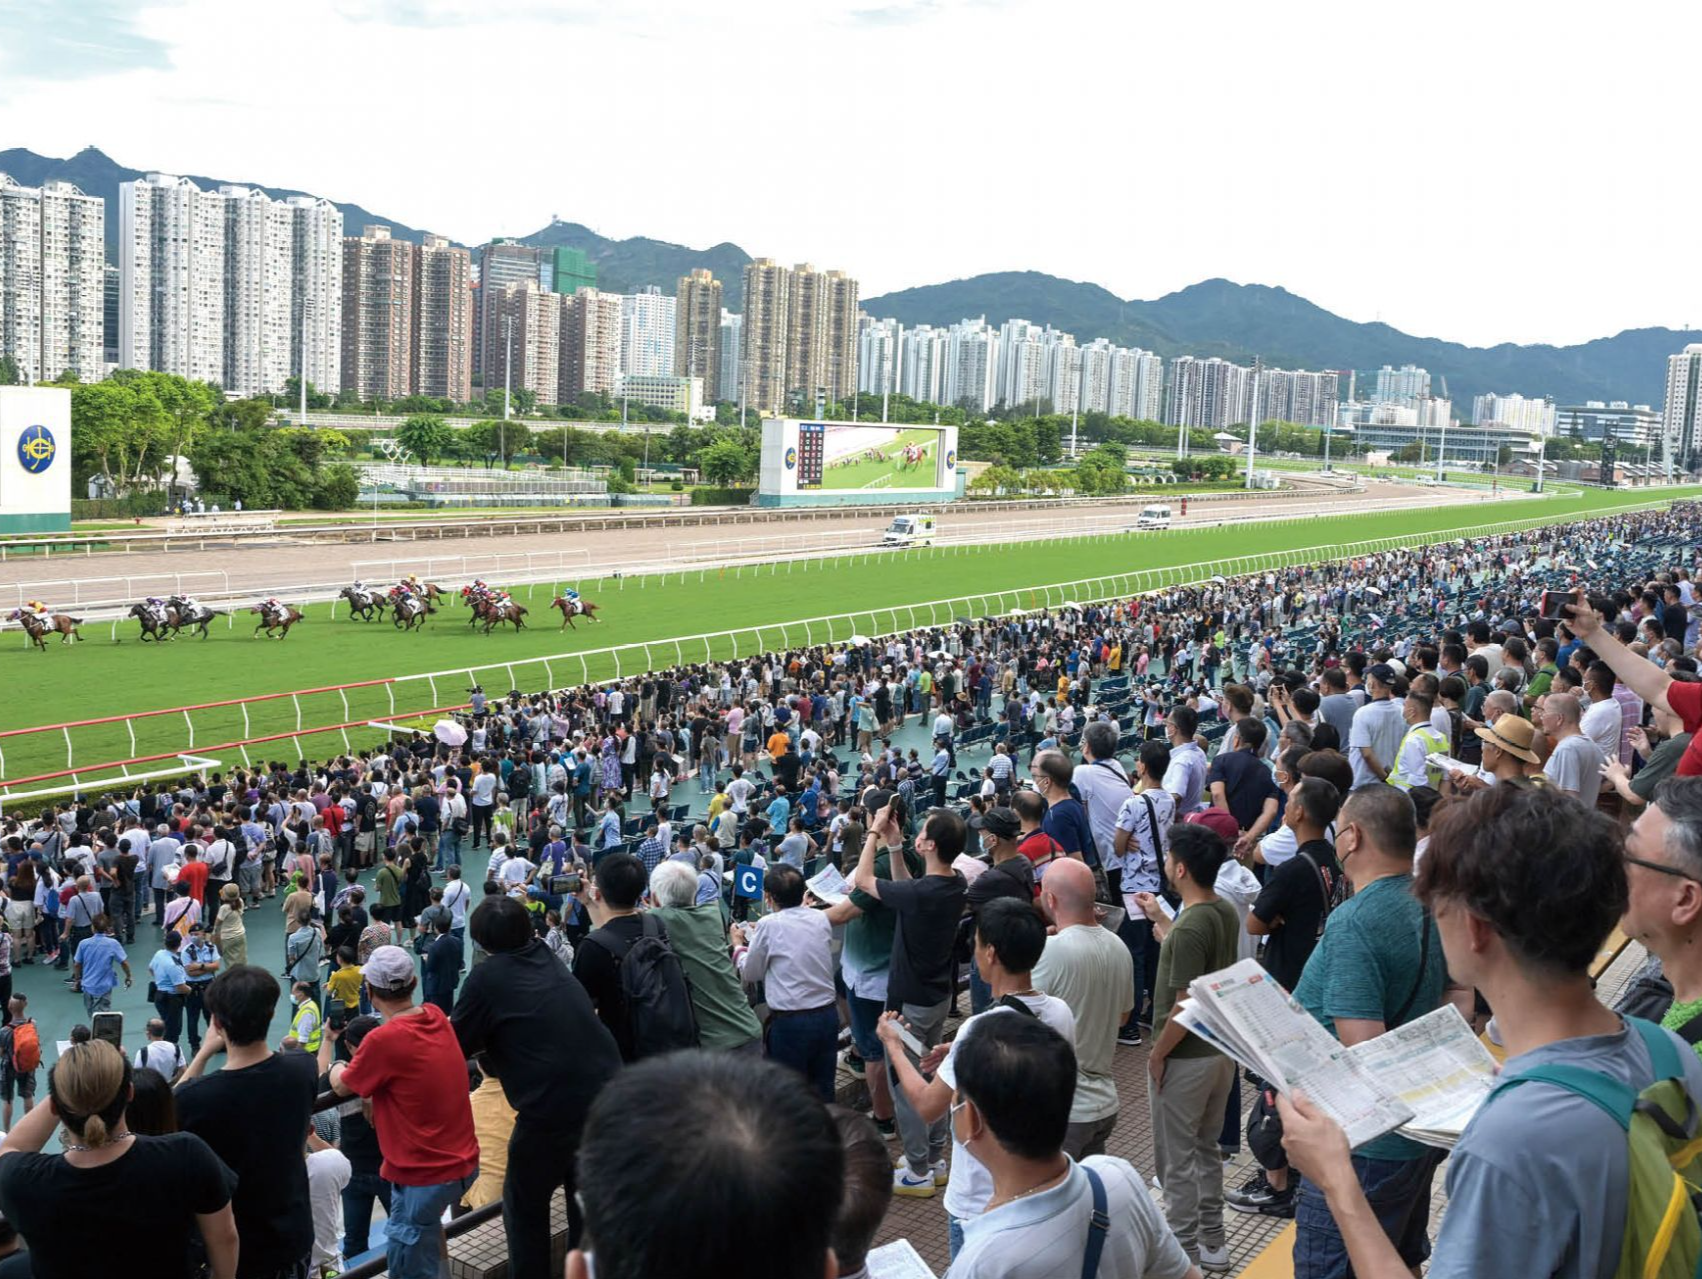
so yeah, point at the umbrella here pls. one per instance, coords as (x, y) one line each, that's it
(859, 639)
(1219, 578)
(1070, 604)
(1019, 612)
(1372, 590)
(449, 732)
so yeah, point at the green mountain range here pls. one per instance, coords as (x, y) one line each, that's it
(1215, 317)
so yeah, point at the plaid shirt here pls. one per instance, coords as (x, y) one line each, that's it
(650, 853)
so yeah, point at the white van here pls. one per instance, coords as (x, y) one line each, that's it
(909, 530)
(1154, 517)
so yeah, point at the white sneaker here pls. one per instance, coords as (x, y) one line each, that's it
(1215, 1260)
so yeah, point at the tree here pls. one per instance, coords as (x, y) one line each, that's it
(494, 440)
(525, 401)
(724, 463)
(338, 488)
(8, 371)
(1408, 453)
(426, 436)
(1504, 455)
(119, 431)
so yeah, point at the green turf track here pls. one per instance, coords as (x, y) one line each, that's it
(100, 678)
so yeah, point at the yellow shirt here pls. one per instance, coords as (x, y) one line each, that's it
(344, 985)
(717, 802)
(493, 1125)
(1114, 659)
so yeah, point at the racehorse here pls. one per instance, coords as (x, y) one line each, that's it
(154, 626)
(38, 626)
(182, 614)
(365, 605)
(574, 608)
(275, 617)
(410, 609)
(495, 612)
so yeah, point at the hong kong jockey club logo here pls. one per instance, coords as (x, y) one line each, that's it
(951, 459)
(36, 449)
(791, 459)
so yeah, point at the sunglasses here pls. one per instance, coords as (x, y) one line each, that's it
(1661, 868)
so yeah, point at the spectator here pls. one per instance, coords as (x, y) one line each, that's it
(1185, 779)
(718, 1139)
(98, 961)
(1644, 679)
(441, 971)
(1144, 818)
(153, 1106)
(1011, 875)
(791, 952)
(1066, 819)
(1420, 741)
(159, 1054)
(1378, 727)
(359, 1144)
(1506, 748)
(493, 1122)
(1575, 763)
(1661, 747)
(1290, 914)
(1239, 781)
(328, 1174)
(1525, 885)
(411, 1069)
(1663, 857)
(1088, 968)
(1377, 966)
(1054, 1217)
(18, 1062)
(618, 881)
(253, 1112)
(136, 1187)
(1009, 938)
(920, 980)
(536, 1026)
(1189, 1081)
(865, 1196)
(725, 1021)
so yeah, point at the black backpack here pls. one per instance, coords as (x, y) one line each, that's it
(658, 998)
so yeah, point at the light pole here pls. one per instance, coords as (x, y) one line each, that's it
(1542, 452)
(1253, 424)
(507, 363)
(306, 309)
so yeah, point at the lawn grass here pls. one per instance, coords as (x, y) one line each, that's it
(102, 678)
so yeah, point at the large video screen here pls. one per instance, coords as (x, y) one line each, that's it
(834, 455)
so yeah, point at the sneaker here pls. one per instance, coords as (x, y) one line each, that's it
(904, 1182)
(942, 1173)
(853, 1062)
(1129, 1036)
(888, 1128)
(1215, 1260)
(1258, 1196)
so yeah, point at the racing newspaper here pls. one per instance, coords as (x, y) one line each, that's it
(1425, 1079)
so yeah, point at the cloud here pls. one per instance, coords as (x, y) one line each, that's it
(75, 41)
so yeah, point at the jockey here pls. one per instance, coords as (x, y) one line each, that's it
(191, 605)
(156, 609)
(38, 607)
(570, 595)
(270, 604)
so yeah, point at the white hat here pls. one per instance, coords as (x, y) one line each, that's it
(388, 968)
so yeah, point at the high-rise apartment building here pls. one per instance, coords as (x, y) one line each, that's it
(838, 311)
(378, 315)
(1681, 418)
(1207, 393)
(227, 286)
(699, 333)
(1063, 376)
(1136, 384)
(727, 383)
(443, 320)
(922, 364)
(52, 280)
(1097, 362)
(648, 320)
(973, 364)
(1519, 412)
(768, 294)
(590, 344)
(878, 355)
(527, 351)
(501, 263)
(1306, 399)
(1405, 385)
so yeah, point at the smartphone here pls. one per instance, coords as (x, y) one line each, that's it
(336, 1014)
(110, 1027)
(1553, 602)
(565, 885)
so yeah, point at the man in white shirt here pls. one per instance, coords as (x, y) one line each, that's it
(1052, 1214)
(1378, 727)
(328, 1173)
(1575, 763)
(1185, 779)
(1103, 784)
(160, 1053)
(1009, 939)
(1604, 719)
(739, 791)
(790, 951)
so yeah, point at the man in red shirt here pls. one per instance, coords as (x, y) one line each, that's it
(1644, 678)
(194, 871)
(412, 1071)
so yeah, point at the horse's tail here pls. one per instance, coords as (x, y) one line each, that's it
(75, 621)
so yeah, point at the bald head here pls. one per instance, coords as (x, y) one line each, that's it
(1069, 886)
(1564, 707)
(1501, 702)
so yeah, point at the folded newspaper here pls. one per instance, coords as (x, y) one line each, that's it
(1425, 1079)
(828, 885)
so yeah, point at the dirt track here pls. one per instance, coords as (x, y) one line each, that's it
(278, 564)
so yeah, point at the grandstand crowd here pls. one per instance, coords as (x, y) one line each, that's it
(708, 904)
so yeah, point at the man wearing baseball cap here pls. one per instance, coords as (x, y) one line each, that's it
(1378, 727)
(411, 1069)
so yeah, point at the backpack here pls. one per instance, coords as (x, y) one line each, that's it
(1663, 1237)
(26, 1048)
(658, 1000)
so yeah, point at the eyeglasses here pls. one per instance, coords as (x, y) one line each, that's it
(1661, 868)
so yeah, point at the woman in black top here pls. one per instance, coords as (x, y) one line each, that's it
(147, 1187)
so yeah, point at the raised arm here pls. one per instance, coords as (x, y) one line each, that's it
(1638, 674)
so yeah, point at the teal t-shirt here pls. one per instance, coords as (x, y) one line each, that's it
(1366, 966)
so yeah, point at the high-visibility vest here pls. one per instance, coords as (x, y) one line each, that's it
(306, 1025)
(1434, 744)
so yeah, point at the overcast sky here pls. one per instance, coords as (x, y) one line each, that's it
(1479, 172)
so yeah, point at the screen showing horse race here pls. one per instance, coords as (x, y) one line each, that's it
(856, 462)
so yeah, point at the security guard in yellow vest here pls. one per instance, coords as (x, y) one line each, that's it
(1421, 740)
